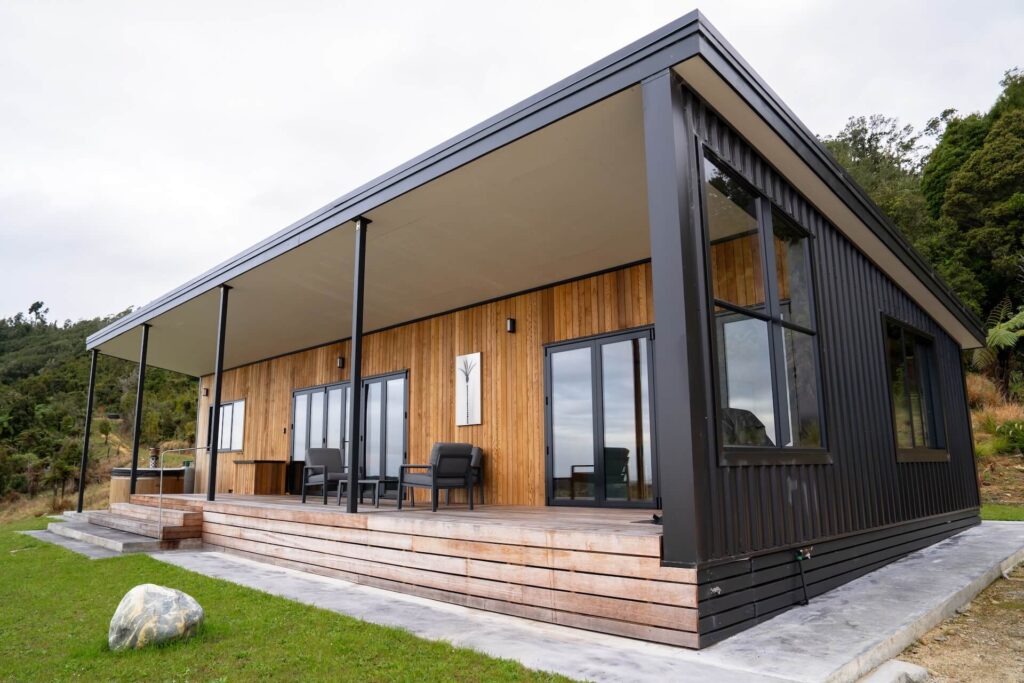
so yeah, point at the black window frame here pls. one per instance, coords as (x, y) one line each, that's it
(209, 426)
(933, 393)
(771, 313)
(595, 341)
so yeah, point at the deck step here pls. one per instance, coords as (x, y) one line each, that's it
(143, 527)
(116, 540)
(170, 516)
(169, 502)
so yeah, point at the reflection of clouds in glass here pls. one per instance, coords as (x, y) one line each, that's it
(572, 415)
(749, 377)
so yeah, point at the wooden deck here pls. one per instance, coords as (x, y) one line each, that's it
(596, 569)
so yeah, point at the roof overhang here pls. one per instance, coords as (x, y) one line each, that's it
(549, 189)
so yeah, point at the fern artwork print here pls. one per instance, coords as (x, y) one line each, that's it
(467, 390)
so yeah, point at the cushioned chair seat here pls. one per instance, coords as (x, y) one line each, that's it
(317, 479)
(419, 479)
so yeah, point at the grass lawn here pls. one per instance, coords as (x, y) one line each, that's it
(1002, 513)
(55, 608)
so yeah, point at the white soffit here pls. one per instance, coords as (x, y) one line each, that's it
(565, 201)
(727, 102)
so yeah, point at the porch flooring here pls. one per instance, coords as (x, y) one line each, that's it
(596, 569)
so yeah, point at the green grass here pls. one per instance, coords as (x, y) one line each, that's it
(55, 608)
(1003, 513)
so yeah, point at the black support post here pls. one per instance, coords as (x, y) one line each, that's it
(680, 313)
(218, 371)
(356, 366)
(88, 428)
(137, 430)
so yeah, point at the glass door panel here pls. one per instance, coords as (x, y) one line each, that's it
(372, 451)
(600, 447)
(316, 419)
(300, 427)
(572, 425)
(626, 426)
(394, 437)
(335, 415)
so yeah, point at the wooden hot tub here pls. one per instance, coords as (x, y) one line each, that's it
(147, 481)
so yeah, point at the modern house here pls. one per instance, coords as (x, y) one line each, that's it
(682, 307)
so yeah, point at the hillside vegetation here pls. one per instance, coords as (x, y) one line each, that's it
(44, 372)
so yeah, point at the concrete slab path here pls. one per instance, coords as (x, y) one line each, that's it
(840, 636)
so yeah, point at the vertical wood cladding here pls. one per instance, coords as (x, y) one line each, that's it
(512, 429)
(760, 508)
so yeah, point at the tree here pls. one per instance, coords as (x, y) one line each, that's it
(885, 159)
(985, 200)
(1005, 329)
(105, 429)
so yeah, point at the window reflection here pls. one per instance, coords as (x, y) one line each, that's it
(373, 417)
(747, 408)
(917, 411)
(792, 270)
(572, 423)
(395, 426)
(627, 456)
(803, 423)
(736, 271)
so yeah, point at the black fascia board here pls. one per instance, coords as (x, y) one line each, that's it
(689, 36)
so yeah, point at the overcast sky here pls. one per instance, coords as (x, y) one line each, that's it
(142, 143)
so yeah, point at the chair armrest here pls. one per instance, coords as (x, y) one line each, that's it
(306, 469)
(411, 467)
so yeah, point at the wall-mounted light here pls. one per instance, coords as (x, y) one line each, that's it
(510, 325)
(206, 391)
(341, 362)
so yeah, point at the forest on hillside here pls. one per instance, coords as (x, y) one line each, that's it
(955, 188)
(44, 372)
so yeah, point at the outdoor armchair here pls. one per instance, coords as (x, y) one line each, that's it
(323, 467)
(450, 467)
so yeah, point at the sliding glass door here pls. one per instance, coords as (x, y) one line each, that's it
(386, 411)
(318, 419)
(599, 449)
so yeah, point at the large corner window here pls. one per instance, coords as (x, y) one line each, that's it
(768, 380)
(914, 389)
(232, 426)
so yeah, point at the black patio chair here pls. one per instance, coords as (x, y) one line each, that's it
(450, 467)
(323, 467)
(478, 476)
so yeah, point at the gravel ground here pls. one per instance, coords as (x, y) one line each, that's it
(984, 643)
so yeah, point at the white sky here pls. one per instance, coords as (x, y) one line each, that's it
(142, 143)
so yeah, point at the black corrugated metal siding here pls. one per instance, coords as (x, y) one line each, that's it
(756, 509)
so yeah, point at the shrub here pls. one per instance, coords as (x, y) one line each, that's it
(1013, 434)
(981, 391)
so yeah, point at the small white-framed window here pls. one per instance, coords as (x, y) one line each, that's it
(232, 426)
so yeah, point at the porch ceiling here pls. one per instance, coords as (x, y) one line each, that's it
(567, 200)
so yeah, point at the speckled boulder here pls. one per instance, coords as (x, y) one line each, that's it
(150, 614)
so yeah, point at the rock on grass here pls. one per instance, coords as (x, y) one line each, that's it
(149, 614)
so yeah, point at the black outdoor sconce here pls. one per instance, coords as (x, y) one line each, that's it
(510, 325)
(341, 362)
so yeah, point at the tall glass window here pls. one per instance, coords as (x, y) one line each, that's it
(914, 389)
(765, 330)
